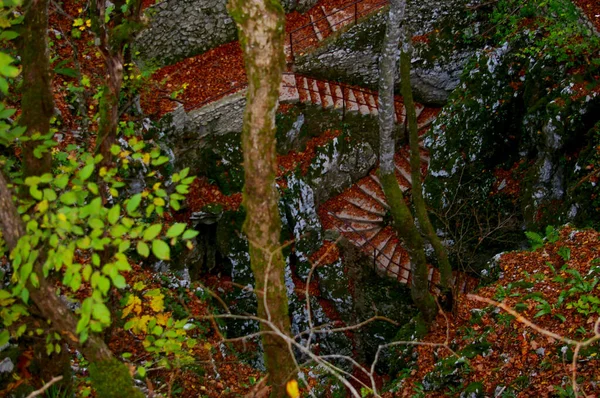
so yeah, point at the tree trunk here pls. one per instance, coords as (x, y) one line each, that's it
(415, 168)
(261, 27)
(55, 310)
(401, 215)
(112, 44)
(37, 102)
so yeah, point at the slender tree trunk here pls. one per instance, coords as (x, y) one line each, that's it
(401, 215)
(112, 44)
(37, 102)
(261, 27)
(62, 319)
(415, 168)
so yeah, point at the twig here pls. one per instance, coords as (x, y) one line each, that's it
(45, 387)
(578, 344)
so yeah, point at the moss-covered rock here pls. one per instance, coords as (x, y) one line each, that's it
(111, 379)
(505, 150)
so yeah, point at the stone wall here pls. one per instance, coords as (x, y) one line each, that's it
(354, 56)
(192, 131)
(183, 28)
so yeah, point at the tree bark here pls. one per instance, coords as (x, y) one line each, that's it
(415, 168)
(261, 27)
(402, 218)
(50, 306)
(37, 102)
(112, 41)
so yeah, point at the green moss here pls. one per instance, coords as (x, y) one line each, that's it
(111, 379)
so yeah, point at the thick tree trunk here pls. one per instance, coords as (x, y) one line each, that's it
(261, 27)
(36, 102)
(415, 167)
(401, 215)
(54, 309)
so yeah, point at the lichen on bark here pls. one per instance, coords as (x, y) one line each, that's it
(261, 30)
(402, 218)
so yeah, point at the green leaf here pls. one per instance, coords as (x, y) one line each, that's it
(152, 232)
(61, 181)
(35, 192)
(118, 281)
(176, 230)
(161, 250)
(86, 172)
(4, 337)
(134, 203)
(189, 234)
(68, 198)
(8, 35)
(49, 195)
(143, 249)
(113, 214)
(103, 284)
(101, 313)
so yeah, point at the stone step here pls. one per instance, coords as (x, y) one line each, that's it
(426, 121)
(385, 256)
(348, 227)
(327, 97)
(339, 100)
(363, 217)
(316, 28)
(362, 239)
(288, 92)
(372, 187)
(351, 103)
(419, 108)
(314, 93)
(366, 203)
(404, 172)
(362, 104)
(372, 104)
(303, 90)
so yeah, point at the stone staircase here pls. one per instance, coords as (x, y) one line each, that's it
(332, 95)
(324, 22)
(361, 215)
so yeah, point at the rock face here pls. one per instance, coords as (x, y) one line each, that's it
(183, 28)
(298, 5)
(516, 146)
(436, 66)
(191, 131)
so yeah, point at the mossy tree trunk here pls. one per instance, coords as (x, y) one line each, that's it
(261, 27)
(402, 218)
(118, 382)
(415, 167)
(37, 102)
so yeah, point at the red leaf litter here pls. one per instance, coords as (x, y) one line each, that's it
(220, 71)
(203, 193)
(592, 9)
(294, 159)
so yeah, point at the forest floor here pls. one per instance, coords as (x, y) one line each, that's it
(516, 347)
(556, 288)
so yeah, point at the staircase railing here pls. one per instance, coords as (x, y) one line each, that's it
(293, 35)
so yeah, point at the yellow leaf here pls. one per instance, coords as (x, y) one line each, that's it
(292, 389)
(134, 304)
(146, 158)
(157, 303)
(142, 324)
(162, 319)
